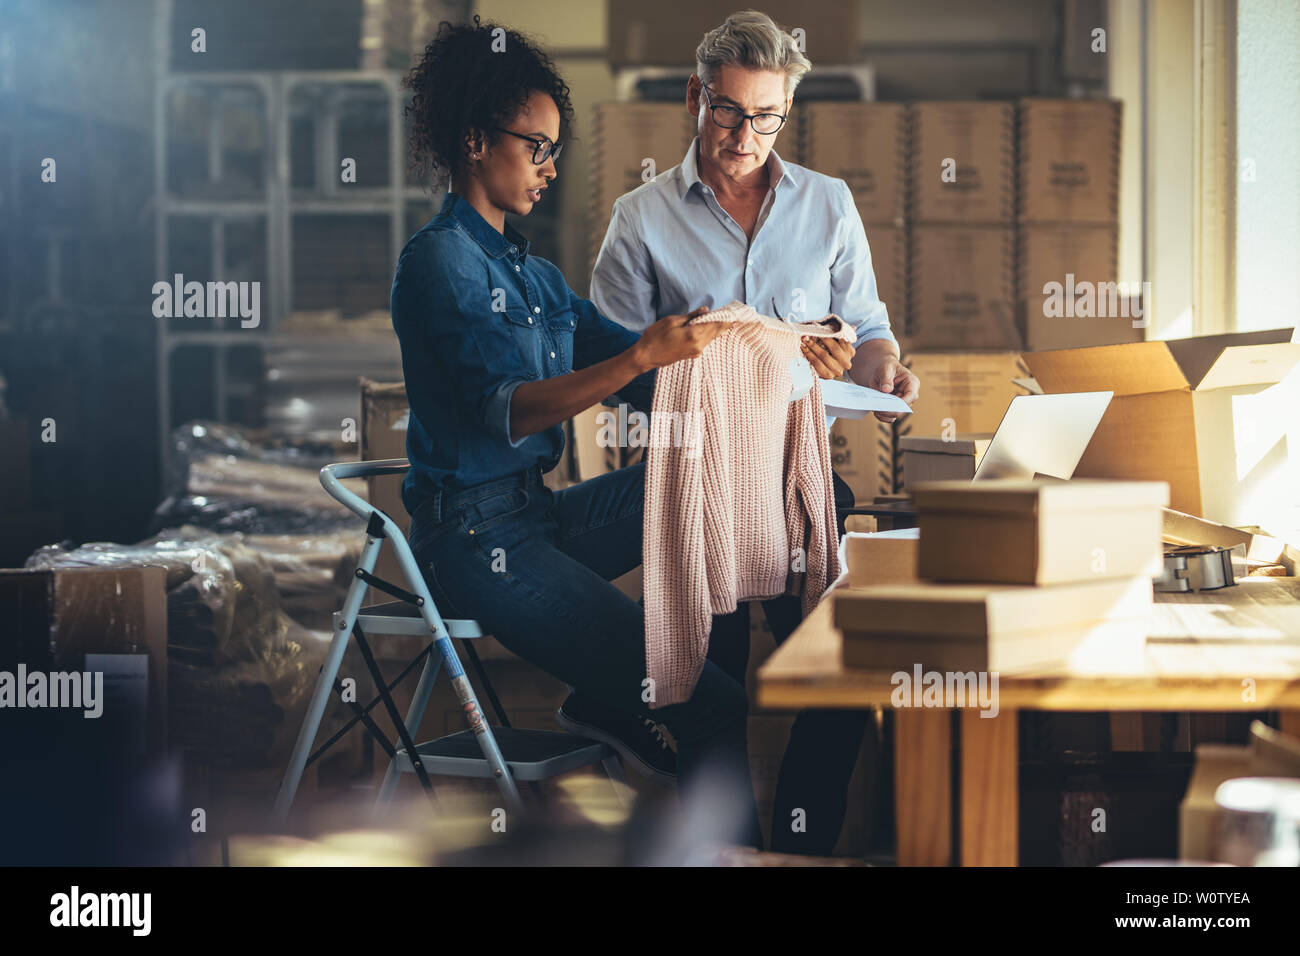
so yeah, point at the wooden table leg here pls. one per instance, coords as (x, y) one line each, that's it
(990, 788)
(923, 786)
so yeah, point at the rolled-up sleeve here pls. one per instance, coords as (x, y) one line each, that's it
(623, 286)
(854, 295)
(442, 313)
(596, 339)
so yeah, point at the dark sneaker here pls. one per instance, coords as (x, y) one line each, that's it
(638, 740)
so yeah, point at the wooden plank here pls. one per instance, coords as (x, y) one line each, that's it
(1203, 645)
(990, 788)
(923, 786)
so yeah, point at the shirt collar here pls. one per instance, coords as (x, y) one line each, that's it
(494, 243)
(691, 169)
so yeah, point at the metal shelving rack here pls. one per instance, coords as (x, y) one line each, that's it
(276, 205)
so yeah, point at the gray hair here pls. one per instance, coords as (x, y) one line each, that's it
(751, 39)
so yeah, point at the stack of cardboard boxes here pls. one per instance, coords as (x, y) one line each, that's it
(1000, 200)
(1014, 575)
(1069, 227)
(866, 145)
(631, 144)
(963, 241)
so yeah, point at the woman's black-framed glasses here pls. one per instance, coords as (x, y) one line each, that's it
(543, 149)
(729, 117)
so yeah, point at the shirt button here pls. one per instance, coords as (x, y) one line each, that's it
(516, 268)
(537, 308)
(751, 263)
(552, 355)
(530, 320)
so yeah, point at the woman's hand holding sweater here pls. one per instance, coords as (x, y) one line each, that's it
(672, 339)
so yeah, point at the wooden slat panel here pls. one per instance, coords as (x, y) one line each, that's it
(990, 803)
(923, 786)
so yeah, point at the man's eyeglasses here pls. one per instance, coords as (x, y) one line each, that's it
(543, 149)
(729, 117)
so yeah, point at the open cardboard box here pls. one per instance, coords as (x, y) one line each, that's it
(1211, 415)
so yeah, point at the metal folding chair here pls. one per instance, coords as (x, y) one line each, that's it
(501, 753)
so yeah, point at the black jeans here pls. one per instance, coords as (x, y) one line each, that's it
(824, 744)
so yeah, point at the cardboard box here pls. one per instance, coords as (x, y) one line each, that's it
(107, 620)
(888, 245)
(590, 457)
(1213, 415)
(1215, 763)
(881, 557)
(965, 627)
(1025, 532)
(962, 168)
(864, 144)
(936, 459)
(1068, 294)
(961, 284)
(384, 418)
(862, 453)
(1069, 160)
(1269, 754)
(640, 36)
(962, 394)
(1272, 752)
(631, 144)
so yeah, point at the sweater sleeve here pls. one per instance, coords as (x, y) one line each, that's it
(677, 605)
(810, 501)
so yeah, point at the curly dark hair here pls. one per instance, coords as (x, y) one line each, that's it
(461, 83)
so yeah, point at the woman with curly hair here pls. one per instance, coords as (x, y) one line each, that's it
(498, 352)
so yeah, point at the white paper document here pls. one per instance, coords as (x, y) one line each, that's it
(847, 400)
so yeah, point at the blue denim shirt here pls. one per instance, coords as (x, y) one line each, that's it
(477, 316)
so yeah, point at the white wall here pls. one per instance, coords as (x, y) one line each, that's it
(1268, 147)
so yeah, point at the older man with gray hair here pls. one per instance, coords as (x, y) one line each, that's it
(735, 221)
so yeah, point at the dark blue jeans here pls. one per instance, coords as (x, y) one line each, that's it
(534, 567)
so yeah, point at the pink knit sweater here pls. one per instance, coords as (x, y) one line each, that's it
(739, 502)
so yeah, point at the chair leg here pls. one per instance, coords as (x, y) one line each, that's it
(414, 714)
(459, 682)
(403, 731)
(614, 770)
(324, 684)
(310, 725)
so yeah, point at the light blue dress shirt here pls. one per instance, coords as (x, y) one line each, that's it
(671, 248)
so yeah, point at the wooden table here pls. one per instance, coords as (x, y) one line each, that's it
(1205, 652)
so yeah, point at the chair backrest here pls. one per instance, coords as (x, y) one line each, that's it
(332, 477)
